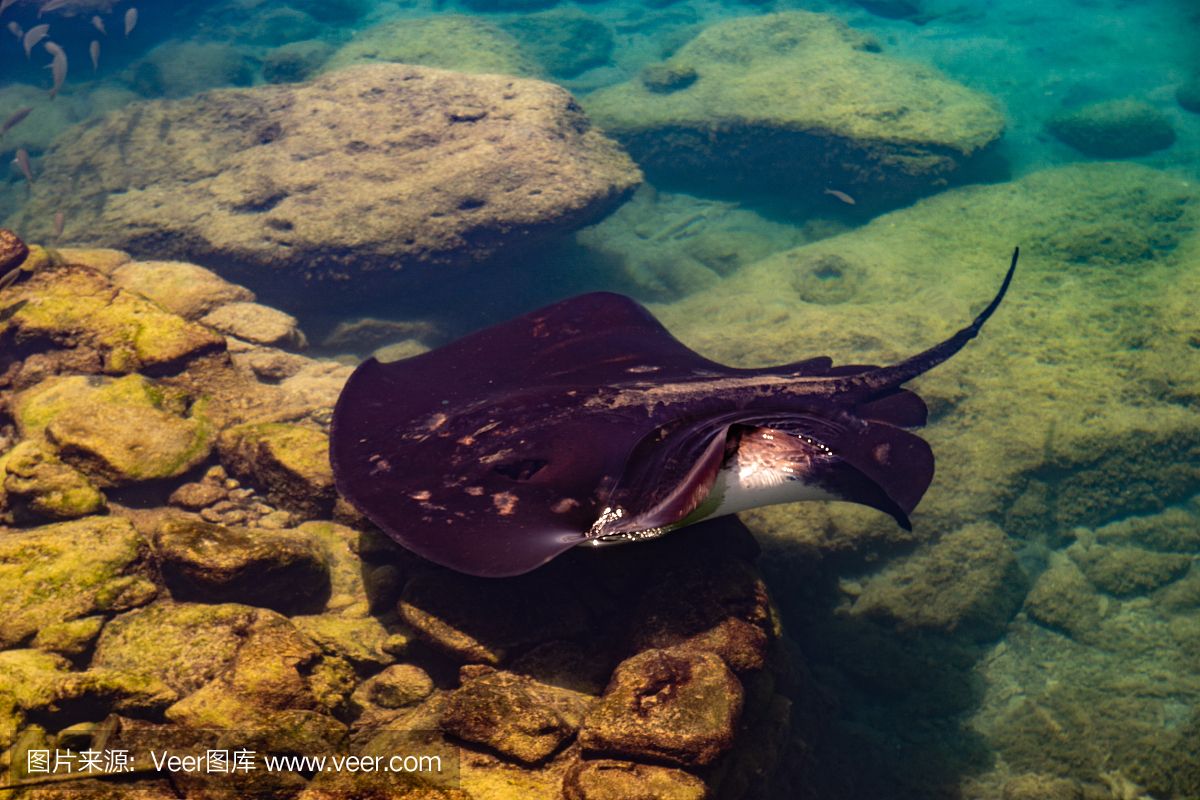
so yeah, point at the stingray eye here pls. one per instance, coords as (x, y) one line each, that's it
(521, 470)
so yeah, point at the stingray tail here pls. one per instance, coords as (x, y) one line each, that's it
(884, 378)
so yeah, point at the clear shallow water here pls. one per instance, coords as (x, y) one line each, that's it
(1084, 667)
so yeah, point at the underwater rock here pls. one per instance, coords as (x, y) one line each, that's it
(967, 582)
(565, 43)
(1114, 129)
(606, 779)
(513, 714)
(1035, 786)
(256, 323)
(667, 78)
(798, 101)
(71, 639)
(1062, 599)
(63, 572)
(182, 68)
(117, 431)
(339, 12)
(1187, 94)
(296, 61)
(78, 309)
(447, 41)
(289, 462)
(397, 686)
(36, 484)
(1128, 571)
(181, 288)
(358, 640)
(284, 571)
(12, 250)
(666, 705)
(376, 175)
(508, 5)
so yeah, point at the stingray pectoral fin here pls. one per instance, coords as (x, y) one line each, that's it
(879, 466)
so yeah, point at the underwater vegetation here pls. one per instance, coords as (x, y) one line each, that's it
(217, 210)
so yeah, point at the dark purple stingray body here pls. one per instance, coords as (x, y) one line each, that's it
(586, 420)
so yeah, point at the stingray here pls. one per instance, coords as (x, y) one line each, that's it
(587, 423)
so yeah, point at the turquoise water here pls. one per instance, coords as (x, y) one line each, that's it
(1038, 634)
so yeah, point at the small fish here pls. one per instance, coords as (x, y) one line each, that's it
(98, 24)
(60, 221)
(845, 198)
(15, 29)
(16, 119)
(57, 67)
(51, 5)
(94, 52)
(33, 36)
(4, 4)
(22, 161)
(130, 20)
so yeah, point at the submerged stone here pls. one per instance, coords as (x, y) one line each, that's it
(289, 462)
(1114, 129)
(58, 573)
(78, 308)
(380, 176)
(666, 705)
(1129, 571)
(117, 431)
(798, 101)
(283, 570)
(607, 779)
(179, 287)
(38, 485)
(448, 41)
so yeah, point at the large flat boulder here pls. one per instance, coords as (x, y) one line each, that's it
(372, 172)
(798, 102)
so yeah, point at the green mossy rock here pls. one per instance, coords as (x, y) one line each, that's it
(606, 779)
(1114, 129)
(397, 686)
(513, 715)
(44, 682)
(799, 100)
(63, 572)
(449, 41)
(358, 640)
(565, 43)
(967, 582)
(296, 61)
(38, 485)
(185, 289)
(78, 307)
(289, 462)
(1129, 571)
(71, 638)
(117, 431)
(282, 570)
(1064, 600)
(667, 706)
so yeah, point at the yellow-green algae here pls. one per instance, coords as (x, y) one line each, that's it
(117, 431)
(62, 572)
(805, 72)
(76, 305)
(290, 461)
(48, 488)
(449, 41)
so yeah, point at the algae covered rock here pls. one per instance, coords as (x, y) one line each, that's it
(444, 170)
(290, 462)
(181, 288)
(180, 68)
(282, 570)
(513, 714)
(968, 581)
(37, 484)
(565, 43)
(58, 573)
(798, 101)
(1129, 571)
(296, 61)
(44, 683)
(1062, 599)
(117, 431)
(254, 322)
(396, 686)
(607, 779)
(1114, 129)
(12, 250)
(666, 705)
(448, 41)
(79, 308)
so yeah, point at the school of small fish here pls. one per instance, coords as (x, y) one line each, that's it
(30, 39)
